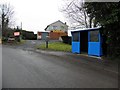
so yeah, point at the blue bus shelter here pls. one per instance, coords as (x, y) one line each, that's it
(87, 41)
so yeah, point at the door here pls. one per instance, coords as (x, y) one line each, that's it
(84, 42)
(94, 43)
(75, 42)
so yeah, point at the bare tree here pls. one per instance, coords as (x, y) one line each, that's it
(76, 11)
(6, 15)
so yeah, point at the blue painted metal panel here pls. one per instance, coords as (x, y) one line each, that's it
(94, 48)
(76, 44)
(75, 47)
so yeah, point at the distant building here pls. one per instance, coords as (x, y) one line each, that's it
(57, 29)
(57, 26)
(41, 35)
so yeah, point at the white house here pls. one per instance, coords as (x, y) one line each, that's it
(57, 26)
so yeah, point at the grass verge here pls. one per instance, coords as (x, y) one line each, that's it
(56, 46)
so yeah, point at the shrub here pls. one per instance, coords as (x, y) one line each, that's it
(66, 39)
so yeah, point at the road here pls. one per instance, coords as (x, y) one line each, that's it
(28, 69)
(0, 66)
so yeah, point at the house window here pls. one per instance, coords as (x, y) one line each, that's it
(55, 27)
(94, 36)
(62, 27)
(75, 36)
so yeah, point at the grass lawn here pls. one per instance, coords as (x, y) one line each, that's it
(56, 46)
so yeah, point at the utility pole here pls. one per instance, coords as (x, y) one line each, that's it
(20, 30)
(21, 25)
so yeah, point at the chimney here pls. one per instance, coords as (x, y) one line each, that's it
(65, 23)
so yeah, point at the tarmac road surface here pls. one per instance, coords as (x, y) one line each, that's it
(28, 69)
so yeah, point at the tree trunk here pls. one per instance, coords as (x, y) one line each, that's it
(85, 19)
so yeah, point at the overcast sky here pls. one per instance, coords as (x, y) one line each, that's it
(35, 15)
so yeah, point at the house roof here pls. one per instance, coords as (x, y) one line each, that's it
(56, 22)
(47, 27)
(85, 29)
(43, 31)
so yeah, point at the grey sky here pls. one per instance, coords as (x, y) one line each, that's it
(35, 15)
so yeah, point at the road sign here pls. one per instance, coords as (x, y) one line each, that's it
(16, 33)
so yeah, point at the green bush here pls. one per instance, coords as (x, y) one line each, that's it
(66, 39)
(4, 39)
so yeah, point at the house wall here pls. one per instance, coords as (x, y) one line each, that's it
(56, 30)
(56, 35)
(57, 26)
(39, 35)
(42, 35)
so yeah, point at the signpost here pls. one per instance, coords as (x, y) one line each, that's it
(16, 34)
(47, 39)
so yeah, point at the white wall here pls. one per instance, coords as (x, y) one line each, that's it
(58, 25)
(0, 66)
(69, 33)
